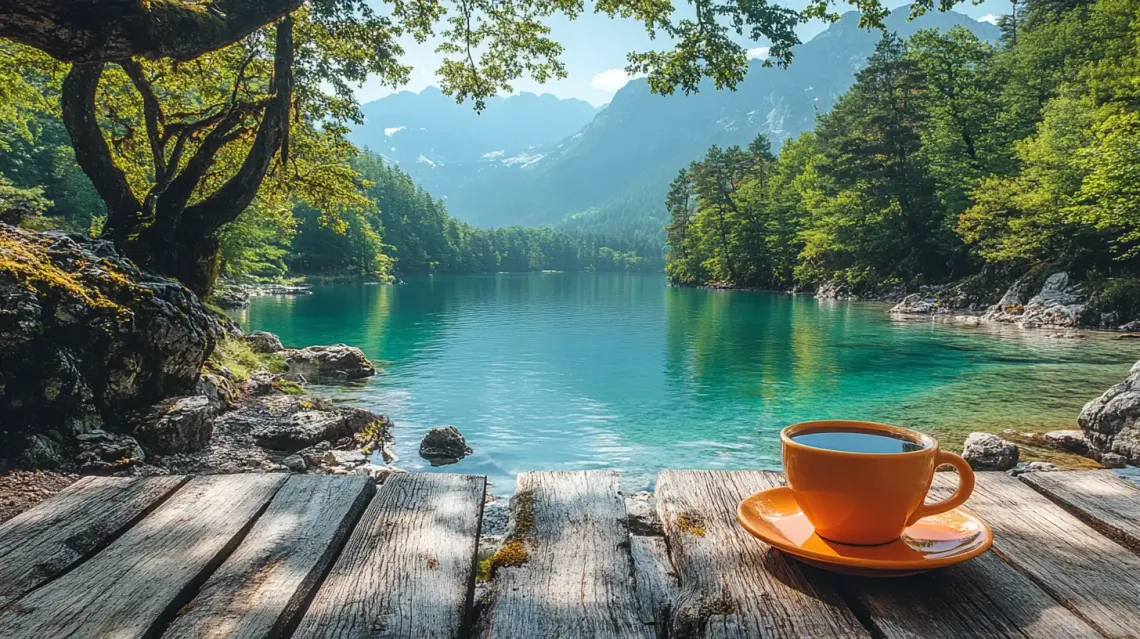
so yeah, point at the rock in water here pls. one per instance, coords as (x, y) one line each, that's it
(444, 445)
(86, 337)
(328, 364)
(263, 342)
(915, 304)
(984, 451)
(1072, 441)
(1111, 422)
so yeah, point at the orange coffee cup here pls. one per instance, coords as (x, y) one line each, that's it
(867, 498)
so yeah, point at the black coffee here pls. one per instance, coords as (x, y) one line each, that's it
(857, 442)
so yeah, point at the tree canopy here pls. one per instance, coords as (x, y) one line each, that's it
(948, 158)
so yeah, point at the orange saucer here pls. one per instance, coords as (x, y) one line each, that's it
(933, 542)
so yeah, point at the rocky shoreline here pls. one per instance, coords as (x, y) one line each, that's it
(109, 370)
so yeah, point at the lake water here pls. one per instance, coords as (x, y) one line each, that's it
(583, 371)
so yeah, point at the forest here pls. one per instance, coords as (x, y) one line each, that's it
(388, 227)
(950, 159)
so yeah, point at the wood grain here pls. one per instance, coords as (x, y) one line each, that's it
(732, 584)
(575, 577)
(655, 581)
(408, 568)
(1088, 573)
(135, 586)
(1099, 498)
(42, 543)
(981, 598)
(260, 588)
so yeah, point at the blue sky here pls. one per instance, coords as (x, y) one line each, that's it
(595, 53)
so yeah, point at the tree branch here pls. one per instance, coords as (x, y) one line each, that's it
(110, 30)
(238, 192)
(152, 114)
(91, 150)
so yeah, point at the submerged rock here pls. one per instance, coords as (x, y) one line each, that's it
(444, 445)
(1111, 422)
(328, 364)
(86, 337)
(984, 451)
(263, 342)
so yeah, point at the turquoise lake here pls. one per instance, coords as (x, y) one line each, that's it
(585, 371)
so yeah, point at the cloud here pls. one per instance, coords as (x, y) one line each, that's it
(611, 80)
(991, 18)
(758, 53)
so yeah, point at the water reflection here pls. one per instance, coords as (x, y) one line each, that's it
(561, 371)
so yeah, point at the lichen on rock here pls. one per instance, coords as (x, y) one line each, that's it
(86, 338)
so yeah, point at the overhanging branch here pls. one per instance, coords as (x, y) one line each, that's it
(110, 30)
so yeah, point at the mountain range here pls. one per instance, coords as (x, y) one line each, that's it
(540, 160)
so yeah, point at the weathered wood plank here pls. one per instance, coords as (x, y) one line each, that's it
(135, 586)
(258, 591)
(982, 598)
(1099, 498)
(42, 543)
(408, 568)
(568, 573)
(732, 584)
(655, 581)
(1085, 571)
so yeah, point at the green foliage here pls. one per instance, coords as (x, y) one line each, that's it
(241, 360)
(406, 232)
(946, 155)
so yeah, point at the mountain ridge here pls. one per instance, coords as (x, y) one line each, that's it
(613, 171)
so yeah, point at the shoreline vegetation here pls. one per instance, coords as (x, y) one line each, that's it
(955, 177)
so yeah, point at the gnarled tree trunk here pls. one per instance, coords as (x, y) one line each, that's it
(164, 231)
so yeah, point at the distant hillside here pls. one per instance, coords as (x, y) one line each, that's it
(611, 174)
(441, 143)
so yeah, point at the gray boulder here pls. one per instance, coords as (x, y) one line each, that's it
(444, 445)
(834, 290)
(100, 450)
(177, 425)
(915, 304)
(1113, 460)
(1058, 304)
(1072, 441)
(1110, 422)
(263, 342)
(87, 338)
(328, 364)
(230, 298)
(293, 422)
(984, 451)
(1033, 467)
(220, 391)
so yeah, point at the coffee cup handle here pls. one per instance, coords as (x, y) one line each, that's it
(965, 487)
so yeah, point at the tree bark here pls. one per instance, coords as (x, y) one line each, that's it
(112, 30)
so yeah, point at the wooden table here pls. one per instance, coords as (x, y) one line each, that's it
(328, 556)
